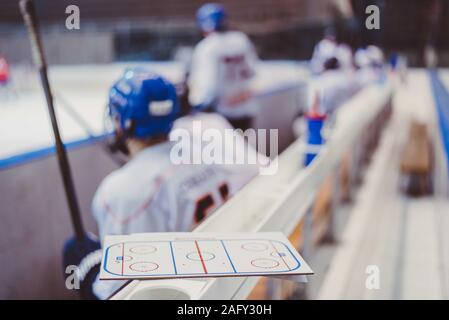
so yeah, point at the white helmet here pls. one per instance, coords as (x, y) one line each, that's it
(375, 55)
(344, 56)
(362, 58)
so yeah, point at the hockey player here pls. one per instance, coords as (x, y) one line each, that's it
(369, 62)
(327, 49)
(376, 55)
(334, 83)
(345, 57)
(323, 51)
(223, 65)
(332, 87)
(151, 193)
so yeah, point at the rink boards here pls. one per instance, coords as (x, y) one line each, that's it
(31, 193)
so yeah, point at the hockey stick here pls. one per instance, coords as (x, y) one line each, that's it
(29, 15)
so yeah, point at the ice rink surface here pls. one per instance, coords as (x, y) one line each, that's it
(81, 93)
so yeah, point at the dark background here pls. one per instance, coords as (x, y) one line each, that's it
(153, 29)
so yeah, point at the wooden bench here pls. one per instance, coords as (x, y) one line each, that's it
(416, 161)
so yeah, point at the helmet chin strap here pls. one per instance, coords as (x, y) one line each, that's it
(118, 144)
(119, 141)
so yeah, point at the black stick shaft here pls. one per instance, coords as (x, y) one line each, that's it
(29, 16)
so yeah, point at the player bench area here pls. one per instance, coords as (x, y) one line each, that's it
(28, 163)
(281, 202)
(399, 238)
(416, 161)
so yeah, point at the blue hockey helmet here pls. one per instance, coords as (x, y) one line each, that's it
(143, 103)
(211, 17)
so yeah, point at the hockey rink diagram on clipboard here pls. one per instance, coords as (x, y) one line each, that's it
(134, 257)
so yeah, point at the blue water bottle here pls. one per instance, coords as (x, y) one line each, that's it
(314, 138)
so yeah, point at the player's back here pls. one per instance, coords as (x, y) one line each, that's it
(238, 155)
(223, 66)
(151, 194)
(333, 87)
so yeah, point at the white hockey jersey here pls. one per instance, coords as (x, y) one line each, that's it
(345, 57)
(367, 59)
(332, 88)
(151, 194)
(223, 65)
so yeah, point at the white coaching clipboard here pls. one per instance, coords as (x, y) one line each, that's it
(192, 255)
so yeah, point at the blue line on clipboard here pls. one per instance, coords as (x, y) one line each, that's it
(173, 257)
(196, 274)
(229, 258)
